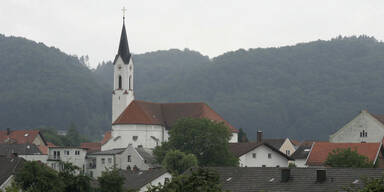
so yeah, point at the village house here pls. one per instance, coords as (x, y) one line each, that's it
(29, 152)
(141, 180)
(365, 127)
(259, 154)
(320, 151)
(285, 145)
(74, 155)
(301, 154)
(24, 137)
(251, 179)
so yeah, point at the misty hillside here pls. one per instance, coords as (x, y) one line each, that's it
(305, 91)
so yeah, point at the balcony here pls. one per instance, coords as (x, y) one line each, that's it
(54, 158)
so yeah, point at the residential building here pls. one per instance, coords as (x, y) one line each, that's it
(74, 155)
(251, 179)
(24, 137)
(29, 152)
(141, 180)
(284, 145)
(320, 151)
(365, 127)
(255, 154)
(301, 154)
(9, 165)
(141, 158)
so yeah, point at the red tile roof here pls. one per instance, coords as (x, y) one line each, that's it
(166, 114)
(320, 151)
(19, 136)
(107, 137)
(91, 146)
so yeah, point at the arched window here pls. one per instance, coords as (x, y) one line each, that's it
(120, 83)
(130, 79)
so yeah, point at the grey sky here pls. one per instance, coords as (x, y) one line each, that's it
(210, 26)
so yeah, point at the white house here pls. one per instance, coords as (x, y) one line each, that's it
(365, 127)
(284, 145)
(141, 123)
(258, 154)
(74, 155)
(141, 180)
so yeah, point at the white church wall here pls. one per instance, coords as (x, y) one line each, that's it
(262, 158)
(350, 133)
(144, 135)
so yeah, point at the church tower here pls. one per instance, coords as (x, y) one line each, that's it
(122, 94)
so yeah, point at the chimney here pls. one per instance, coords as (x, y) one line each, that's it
(321, 175)
(8, 131)
(259, 136)
(285, 174)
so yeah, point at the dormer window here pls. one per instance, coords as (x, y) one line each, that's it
(363, 133)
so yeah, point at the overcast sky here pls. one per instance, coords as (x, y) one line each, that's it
(212, 27)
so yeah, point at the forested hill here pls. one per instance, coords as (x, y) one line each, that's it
(306, 91)
(41, 86)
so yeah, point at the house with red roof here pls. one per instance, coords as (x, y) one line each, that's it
(365, 127)
(24, 137)
(142, 123)
(320, 151)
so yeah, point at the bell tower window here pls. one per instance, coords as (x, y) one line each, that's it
(130, 86)
(120, 82)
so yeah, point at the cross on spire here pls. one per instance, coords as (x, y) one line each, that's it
(124, 10)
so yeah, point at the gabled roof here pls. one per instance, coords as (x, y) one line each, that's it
(19, 149)
(321, 150)
(91, 146)
(19, 136)
(138, 179)
(123, 51)
(379, 118)
(303, 150)
(107, 137)
(251, 179)
(276, 143)
(147, 155)
(166, 114)
(9, 166)
(239, 149)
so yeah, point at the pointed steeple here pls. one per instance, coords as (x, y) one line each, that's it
(123, 46)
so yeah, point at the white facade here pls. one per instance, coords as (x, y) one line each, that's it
(148, 136)
(160, 180)
(74, 155)
(123, 93)
(234, 138)
(263, 156)
(287, 147)
(363, 128)
(300, 162)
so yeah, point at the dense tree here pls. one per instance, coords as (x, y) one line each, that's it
(347, 158)
(206, 139)
(37, 177)
(73, 137)
(111, 181)
(201, 179)
(371, 184)
(74, 180)
(177, 162)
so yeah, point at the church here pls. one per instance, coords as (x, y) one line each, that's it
(141, 123)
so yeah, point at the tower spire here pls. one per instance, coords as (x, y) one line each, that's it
(123, 51)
